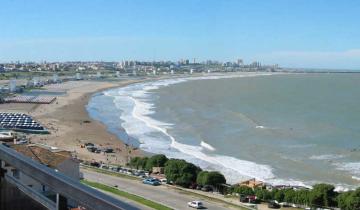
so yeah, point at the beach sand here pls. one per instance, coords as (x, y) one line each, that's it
(70, 125)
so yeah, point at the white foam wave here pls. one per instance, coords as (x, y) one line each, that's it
(207, 146)
(135, 105)
(260, 127)
(352, 167)
(326, 157)
(356, 178)
(235, 169)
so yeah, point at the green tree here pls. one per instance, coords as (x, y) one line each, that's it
(302, 197)
(289, 195)
(201, 178)
(156, 161)
(343, 200)
(349, 200)
(278, 195)
(215, 178)
(134, 162)
(181, 172)
(354, 200)
(323, 195)
(138, 162)
(263, 194)
(142, 162)
(243, 190)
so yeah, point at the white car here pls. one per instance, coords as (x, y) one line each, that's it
(196, 204)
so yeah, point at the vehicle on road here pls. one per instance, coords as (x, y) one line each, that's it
(152, 181)
(196, 204)
(273, 205)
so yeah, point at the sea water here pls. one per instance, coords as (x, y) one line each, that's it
(297, 129)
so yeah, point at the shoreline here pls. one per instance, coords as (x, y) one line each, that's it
(339, 186)
(174, 144)
(66, 120)
(71, 126)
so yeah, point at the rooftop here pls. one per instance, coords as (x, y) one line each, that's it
(46, 156)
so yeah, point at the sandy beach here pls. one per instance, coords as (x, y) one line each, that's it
(70, 125)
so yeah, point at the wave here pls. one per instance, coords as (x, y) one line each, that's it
(351, 167)
(135, 105)
(260, 126)
(207, 146)
(355, 178)
(326, 157)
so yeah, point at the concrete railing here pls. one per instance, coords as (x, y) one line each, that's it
(65, 186)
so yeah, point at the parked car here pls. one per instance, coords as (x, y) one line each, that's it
(95, 164)
(196, 204)
(248, 199)
(104, 167)
(285, 204)
(108, 150)
(91, 148)
(89, 144)
(193, 186)
(273, 205)
(207, 188)
(152, 181)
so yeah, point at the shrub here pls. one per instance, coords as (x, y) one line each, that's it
(181, 172)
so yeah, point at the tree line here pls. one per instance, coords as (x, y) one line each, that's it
(179, 172)
(185, 174)
(321, 195)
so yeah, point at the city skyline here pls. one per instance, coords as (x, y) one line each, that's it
(322, 34)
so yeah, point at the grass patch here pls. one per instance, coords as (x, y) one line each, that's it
(127, 195)
(103, 171)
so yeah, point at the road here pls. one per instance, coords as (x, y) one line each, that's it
(161, 194)
(136, 205)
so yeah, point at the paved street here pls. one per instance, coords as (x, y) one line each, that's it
(131, 202)
(161, 194)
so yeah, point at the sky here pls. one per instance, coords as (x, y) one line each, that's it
(291, 33)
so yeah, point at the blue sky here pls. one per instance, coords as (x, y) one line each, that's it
(293, 33)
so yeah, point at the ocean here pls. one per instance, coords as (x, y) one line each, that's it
(297, 129)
